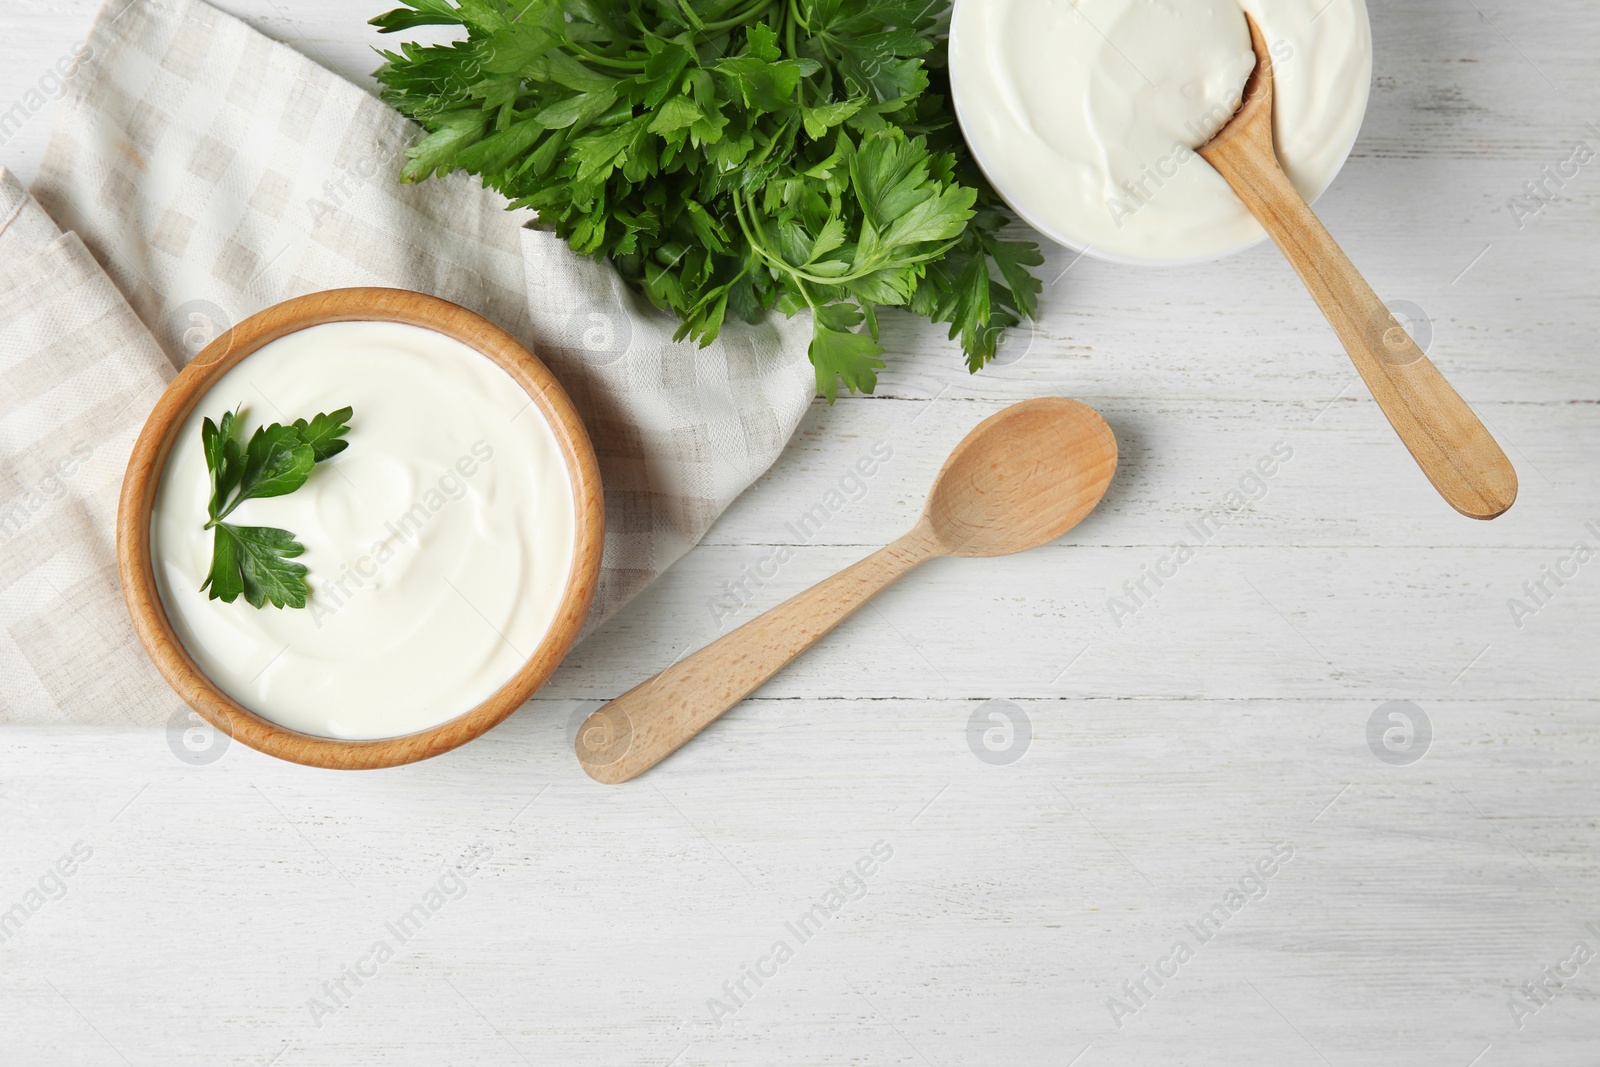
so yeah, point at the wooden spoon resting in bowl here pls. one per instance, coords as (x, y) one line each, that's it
(1445, 437)
(1022, 477)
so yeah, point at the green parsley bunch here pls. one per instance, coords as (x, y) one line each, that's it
(730, 156)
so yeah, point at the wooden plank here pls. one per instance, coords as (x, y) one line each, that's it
(1346, 480)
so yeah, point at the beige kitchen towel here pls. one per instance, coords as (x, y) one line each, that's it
(211, 172)
(78, 374)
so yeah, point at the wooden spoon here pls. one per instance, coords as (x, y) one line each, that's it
(1445, 437)
(1022, 477)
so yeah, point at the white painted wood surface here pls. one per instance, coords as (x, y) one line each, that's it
(1167, 753)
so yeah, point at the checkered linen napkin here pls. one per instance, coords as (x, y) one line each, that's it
(203, 172)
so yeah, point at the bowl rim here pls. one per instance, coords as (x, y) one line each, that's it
(148, 463)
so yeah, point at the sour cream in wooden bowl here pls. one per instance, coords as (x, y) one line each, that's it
(451, 547)
(1084, 114)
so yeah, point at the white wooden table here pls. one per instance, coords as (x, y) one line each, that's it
(1152, 758)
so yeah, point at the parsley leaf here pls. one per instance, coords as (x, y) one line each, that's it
(730, 156)
(223, 459)
(276, 461)
(255, 560)
(325, 433)
(842, 356)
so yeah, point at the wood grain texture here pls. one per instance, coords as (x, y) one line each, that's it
(221, 898)
(1448, 440)
(1023, 477)
(137, 572)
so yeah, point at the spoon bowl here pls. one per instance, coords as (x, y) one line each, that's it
(1023, 476)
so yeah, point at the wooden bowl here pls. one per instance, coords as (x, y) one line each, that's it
(149, 460)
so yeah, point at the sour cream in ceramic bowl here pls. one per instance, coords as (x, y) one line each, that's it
(451, 548)
(1084, 114)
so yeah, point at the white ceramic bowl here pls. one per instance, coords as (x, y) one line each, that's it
(966, 68)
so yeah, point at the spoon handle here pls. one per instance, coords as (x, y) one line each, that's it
(1445, 436)
(652, 720)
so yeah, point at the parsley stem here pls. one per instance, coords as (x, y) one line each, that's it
(790, 20)
(805, 294)
(747, 15)
(794, 12)
(615, 63)
(689, 14)
(237, 500)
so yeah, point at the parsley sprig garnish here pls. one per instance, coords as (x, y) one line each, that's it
(257, 560)
(730, 156)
